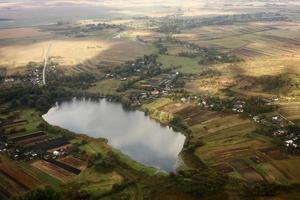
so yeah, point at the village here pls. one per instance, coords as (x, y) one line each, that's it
(51, 154)
(144, 80)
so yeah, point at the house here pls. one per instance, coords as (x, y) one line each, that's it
(7, 80)
(280, 132)
(56, 153)
(240, 110)
(289, 143)
(155, 92)
(277, 118)
(183, 99)
(256, 119)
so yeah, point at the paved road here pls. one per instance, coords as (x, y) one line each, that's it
(45, 64)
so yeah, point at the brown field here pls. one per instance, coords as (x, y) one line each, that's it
(273, 153)
(54, 171)
(172, 194)
(32, 140)
(19, 176)
(246, 171)
(10, 187)
(173, 107)
(74, 162)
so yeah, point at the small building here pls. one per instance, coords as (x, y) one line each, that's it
(56, 153)
(183, 99)
(256, 119)
(155, 92)
(289, 143)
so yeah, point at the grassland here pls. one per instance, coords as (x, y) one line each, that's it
(108, 86)
(185, 65)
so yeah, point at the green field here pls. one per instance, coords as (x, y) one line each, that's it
(108, 86)
(185, 65)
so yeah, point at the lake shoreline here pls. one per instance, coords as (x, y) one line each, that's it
(156, 130)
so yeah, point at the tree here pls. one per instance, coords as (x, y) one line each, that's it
(42, 194)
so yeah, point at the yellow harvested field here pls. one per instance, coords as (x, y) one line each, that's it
(67, 52)
(263, 66)
(291, 109)
(210, 85)
(15, 33)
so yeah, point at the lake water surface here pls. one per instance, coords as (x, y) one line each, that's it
(132, 132)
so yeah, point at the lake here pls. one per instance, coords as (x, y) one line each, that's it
(135, 134)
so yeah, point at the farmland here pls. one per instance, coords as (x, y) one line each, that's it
(225, 74)
(231, 147)
(19, 178)
(30, 44)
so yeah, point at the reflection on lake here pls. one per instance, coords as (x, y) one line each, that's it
(130, 131)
